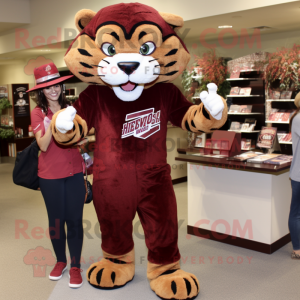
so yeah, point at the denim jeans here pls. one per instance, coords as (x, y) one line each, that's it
(294, 218)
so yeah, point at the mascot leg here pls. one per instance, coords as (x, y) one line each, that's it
(158, 214)
(170, 282)
(115, 204)
(112, 272)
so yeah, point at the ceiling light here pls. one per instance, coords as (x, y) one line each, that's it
(225, 26)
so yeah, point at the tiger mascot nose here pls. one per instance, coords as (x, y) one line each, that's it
(128, 67)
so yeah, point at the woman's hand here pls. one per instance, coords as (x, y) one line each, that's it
(44, 141)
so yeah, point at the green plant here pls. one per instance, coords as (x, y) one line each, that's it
(6, 133)
(4, 103)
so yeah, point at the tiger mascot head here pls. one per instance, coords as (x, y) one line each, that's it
(128, 47)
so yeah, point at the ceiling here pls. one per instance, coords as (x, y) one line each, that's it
(282, 17)
(16, 56)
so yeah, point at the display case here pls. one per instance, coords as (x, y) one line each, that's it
(18, 120)
(280, 107)
(246, 104)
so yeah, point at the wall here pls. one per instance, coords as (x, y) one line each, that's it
(53, 18)
(268, 42)
(15, 11)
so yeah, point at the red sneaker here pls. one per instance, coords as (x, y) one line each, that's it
(75, 278)
(58, 270)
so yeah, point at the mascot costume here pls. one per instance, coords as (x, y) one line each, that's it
(129, 54)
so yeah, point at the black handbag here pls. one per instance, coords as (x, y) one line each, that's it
(26, 167)
(88, 188)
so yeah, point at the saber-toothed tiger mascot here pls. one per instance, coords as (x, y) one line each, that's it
(129, 53)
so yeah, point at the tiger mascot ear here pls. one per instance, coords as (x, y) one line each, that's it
(176, 22)
(83, 18)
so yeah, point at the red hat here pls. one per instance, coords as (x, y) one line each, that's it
(47, 75)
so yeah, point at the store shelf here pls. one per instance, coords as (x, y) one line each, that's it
(243, 131)
(25, 137)
(278, 122)
(244, 79)
(244, 96)
(287, 143)
(242, 114)
(280, 100)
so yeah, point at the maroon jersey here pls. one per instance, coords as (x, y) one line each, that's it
(131, 136)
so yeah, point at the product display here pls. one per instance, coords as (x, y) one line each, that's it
(200, 140)
(246, 144)
(130, 111)
(235, 91)
(281, 115)
(274, 95)
(284, 137)
(3, 120)
(286, 95)
(235, 126)
(262, 158)
(279, 160)
(244, 156)
(245, 91)
(240, 91)
(235, 73)
(240, 109)
(266, 137)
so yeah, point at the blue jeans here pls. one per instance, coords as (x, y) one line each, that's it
(294, 218)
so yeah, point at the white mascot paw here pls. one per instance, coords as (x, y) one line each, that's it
(64, 120)
(212, 101)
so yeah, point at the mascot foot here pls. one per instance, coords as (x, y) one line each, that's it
(170, 282)
(112, 272)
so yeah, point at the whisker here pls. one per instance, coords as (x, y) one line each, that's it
(86, 74)
(167, 74)
(156, 66)
(100, 75)
(106, 61)
(97, 66)
(153, 59)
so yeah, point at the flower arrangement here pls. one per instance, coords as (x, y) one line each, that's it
(283, 66)
(214, 69)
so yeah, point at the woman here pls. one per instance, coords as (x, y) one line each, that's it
(60, 171)
(294, 218)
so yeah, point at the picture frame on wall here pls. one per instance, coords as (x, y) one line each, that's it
(21, 101)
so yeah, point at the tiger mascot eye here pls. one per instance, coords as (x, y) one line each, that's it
(129, 54)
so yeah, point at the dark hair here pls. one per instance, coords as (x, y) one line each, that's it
(293, 116)
(42, 101)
